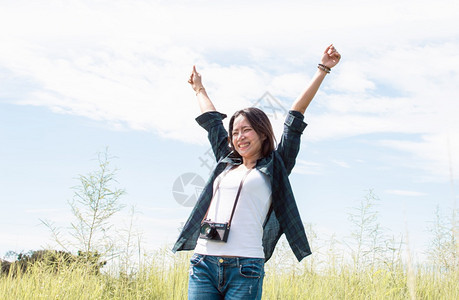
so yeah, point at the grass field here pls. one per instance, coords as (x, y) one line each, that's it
(370, 264)
(166, 276)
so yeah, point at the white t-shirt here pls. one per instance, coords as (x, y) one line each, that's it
(246, 233)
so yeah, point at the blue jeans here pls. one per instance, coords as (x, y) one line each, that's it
(214, 277)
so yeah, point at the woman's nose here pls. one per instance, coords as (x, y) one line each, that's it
(238, 136)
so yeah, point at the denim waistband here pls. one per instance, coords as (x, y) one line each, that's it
(234, 261)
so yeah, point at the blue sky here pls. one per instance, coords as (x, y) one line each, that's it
(80, 76)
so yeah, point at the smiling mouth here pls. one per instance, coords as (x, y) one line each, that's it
(243, 146)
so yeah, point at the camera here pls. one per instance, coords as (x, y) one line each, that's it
(214, 231)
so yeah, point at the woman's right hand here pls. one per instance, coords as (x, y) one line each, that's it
(195, 80)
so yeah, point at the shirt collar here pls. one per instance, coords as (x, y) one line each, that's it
(262, 164)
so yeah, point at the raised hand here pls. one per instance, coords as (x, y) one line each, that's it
(331, 57)
(203, 99)
(195, 80)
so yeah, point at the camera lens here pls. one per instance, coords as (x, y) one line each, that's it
(206, 229)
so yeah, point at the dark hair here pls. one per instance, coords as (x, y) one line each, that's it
(262, 126)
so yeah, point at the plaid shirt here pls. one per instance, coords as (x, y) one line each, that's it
(283, 217)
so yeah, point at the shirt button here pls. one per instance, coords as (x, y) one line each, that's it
(221, 260)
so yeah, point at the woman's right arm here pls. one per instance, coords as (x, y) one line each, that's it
(210, 119)
(205, 104)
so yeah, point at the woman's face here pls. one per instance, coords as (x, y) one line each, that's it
(246, 140)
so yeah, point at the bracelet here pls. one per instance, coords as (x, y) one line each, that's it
(199, 90)
(324, 68)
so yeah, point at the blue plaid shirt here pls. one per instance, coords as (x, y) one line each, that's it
(283, 217)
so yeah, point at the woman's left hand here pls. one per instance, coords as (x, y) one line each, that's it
(331, 57)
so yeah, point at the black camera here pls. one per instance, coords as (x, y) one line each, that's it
(214, 231)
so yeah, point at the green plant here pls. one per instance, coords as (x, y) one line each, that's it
(443, 251)
(367, 244)
(52, 261)
(96, 199)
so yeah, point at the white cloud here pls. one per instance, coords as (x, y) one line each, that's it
(42, 211)
(307, 167)
(342, 164)
(416, 99)
(405, 193)
(435, 154)
(126, 63)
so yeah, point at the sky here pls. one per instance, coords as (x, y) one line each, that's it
(80, 77)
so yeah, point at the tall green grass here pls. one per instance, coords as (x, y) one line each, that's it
(166, 277)
(370, 265)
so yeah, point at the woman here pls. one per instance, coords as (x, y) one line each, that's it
(248, 203)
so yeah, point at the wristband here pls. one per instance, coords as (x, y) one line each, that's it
(199, 90)
(324, 68)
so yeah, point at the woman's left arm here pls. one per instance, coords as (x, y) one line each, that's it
(289, 144)
(330, 58)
